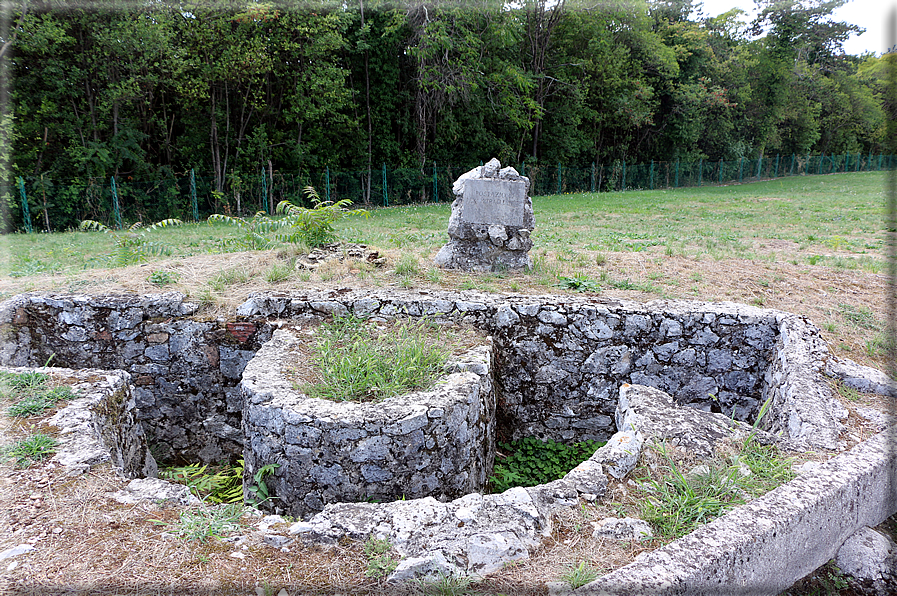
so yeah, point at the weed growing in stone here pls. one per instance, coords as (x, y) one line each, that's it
(580, 575)
(34, 449)
(205, 522)
(24, 381)
(676, 503)
(359, 361)
(32, 405)
(530, 462)
(380, 561)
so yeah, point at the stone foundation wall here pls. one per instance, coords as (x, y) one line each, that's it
(439, 442)
(184, 370)
(100, 425)
(559, 361)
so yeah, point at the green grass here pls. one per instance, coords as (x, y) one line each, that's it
(206, 522)
(580, 575)
(32, 449)
(30, 394)
(842, 212)
(356, 361)
(676, 504)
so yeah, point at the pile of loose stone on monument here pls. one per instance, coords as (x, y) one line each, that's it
(564, 368)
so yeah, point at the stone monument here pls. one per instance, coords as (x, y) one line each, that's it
(491, 221)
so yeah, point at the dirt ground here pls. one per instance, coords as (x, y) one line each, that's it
(89, 544)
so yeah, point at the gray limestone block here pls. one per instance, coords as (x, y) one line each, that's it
(870, 559)
(627, 528)
(620, 454)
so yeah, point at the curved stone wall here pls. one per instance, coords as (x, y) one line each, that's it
(438, 443)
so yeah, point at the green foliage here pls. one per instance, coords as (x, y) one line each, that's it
(260, 491)
(32, 405)
(299, 225)
(133, 246)
(30, 450)
(313, 227)
(579, 282)
(580, 575)
(381, 562)
(24, 381)
(859, 316)
(162, 278)
(530, 462)
(443, 585)
(205, 522)
(30, 393)
(356, 361)
(254, 232)
(676, 504)
(221, 485)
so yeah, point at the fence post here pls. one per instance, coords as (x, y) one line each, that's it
(776, 173)
(115, 208)
(26, 214)
(265, 202)
(193, 196)
(847, 162)
(523, 169)
(819, 167)
(879, 162)
(559, 178)
(759, 165)
(701, 172)
(676, 185)
(651, 176)
(792, 165)
(869, 163)
(740, 168)
(592, 179)
(385, 196)
(720, 170)
(624, 175)
(327, 181)
(435, 196)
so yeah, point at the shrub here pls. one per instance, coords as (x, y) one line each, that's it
(532, 462)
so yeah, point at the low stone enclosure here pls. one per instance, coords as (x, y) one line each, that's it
(558, 367)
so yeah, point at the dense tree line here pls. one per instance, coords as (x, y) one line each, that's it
(152, 89)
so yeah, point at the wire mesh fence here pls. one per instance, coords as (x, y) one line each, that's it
(40, 204)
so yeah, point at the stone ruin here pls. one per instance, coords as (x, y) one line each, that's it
(564, 368)
(491, 221)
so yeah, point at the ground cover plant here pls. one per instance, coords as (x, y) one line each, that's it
(358, 360)
(812, 245)
(530, 461)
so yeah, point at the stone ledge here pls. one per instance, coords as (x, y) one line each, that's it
(765, 546)
(101, 425)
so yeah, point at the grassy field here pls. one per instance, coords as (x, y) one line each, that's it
(811, 245)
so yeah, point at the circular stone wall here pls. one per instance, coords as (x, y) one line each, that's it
(436, 443)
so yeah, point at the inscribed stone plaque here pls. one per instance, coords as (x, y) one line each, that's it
(494, 202)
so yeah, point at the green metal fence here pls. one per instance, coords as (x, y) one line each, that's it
(192, 197)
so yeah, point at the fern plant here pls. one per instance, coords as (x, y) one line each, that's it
(312, 227)
(132, 244)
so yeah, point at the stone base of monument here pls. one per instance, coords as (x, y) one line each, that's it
(491, 221)
(481, 255)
